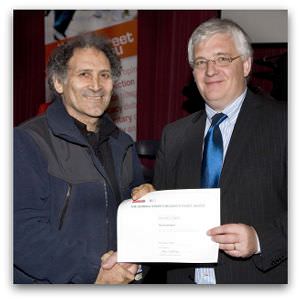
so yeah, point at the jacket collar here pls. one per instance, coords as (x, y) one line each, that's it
(63, 125)
(246, 123)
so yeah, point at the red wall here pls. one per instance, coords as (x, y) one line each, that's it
(29, 63)
(163, 69)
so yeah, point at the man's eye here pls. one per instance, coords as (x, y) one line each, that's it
(200, 62)
(222, 59)
(84, 74)
(106, 75)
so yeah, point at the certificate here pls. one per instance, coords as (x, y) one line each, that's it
(169, 226)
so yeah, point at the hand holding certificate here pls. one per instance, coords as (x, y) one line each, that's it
(169, 226)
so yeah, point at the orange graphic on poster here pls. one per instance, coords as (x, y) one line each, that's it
(123, 37)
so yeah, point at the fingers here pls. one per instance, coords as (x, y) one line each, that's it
(132, 268)
(125, 274)
(141, 190)
(238, 240)
(112, 272)
(228, 247)
(116, 275)
(225, 238)
(234, 253)
(106, 255)
(224, 229)
(108, 260)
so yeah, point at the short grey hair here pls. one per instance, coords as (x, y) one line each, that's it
(58, 62)
(213, 26)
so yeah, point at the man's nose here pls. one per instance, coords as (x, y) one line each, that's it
(211, 68)
(96, 83)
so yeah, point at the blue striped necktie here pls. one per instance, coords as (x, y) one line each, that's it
(212, 160)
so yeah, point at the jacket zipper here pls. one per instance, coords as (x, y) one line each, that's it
(106, 214)
(121, 174)
(65, 207)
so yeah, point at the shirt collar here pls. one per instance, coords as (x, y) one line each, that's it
(231, 110)
(105, 128)
(82, 127)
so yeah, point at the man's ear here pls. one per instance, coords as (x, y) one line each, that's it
(58, 85)
(247, 64)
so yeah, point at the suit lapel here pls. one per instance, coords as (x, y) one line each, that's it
(191, 157)
(243, 130)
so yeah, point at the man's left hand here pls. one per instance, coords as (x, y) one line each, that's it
(238, 240)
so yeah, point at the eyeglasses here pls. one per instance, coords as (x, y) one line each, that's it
(220, 61)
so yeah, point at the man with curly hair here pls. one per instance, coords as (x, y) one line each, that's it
(73, 167)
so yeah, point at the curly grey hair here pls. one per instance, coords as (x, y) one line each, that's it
(58, 61)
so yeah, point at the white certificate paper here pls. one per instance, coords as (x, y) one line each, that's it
(169, 226)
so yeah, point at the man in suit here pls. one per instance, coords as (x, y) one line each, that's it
(253, 177)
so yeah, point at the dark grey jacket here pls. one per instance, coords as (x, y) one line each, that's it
(64, 206)
(253, 186)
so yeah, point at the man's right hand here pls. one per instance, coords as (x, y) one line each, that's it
(141, 190)
(115, 273)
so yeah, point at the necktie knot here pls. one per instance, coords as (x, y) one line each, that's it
(217, 119)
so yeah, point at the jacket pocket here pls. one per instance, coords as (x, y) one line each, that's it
(65, 207)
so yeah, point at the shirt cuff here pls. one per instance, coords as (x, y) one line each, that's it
(258, 245)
